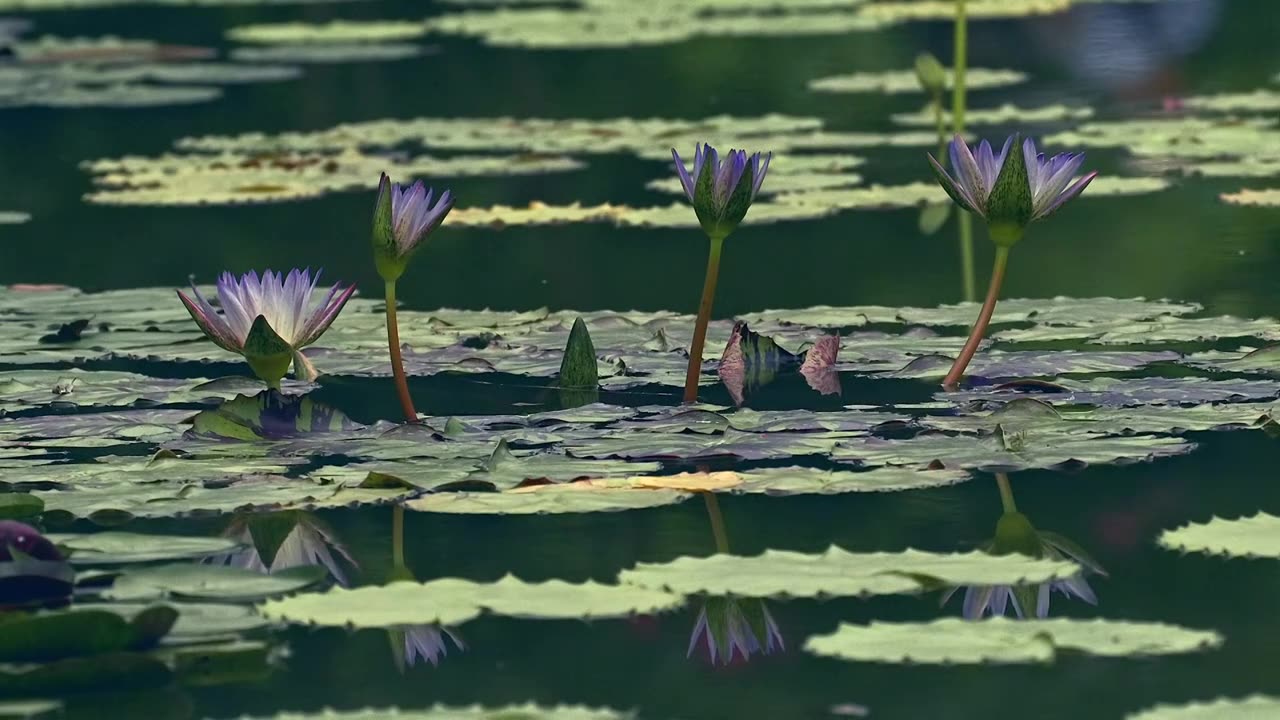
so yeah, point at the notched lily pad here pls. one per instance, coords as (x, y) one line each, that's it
(1255, 707)
(1251, 537)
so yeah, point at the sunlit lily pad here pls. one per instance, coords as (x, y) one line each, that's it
(802, 480)
(1002, 640)
(836, 572)
(1040, 363)
(1252, 537)
(209, 582)
(1269, 197)
(10, 217)
(905, 81)
(1003, 115)
(440, 712)
(338, 31)
(1256, 707)
(115, 548)
(1029, 414)
(452, 601)
(733, 443)
(548, 499)
(1026, 450)
(24, 389)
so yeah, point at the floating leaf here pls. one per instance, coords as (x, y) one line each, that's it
(209, 582)
(74, 387)
(547, 499)
(802, 480)
(1251, 537)
(1007, 114)
(115, 548)
(1002, 640)
(905, 81)
(452, 601)
(747, 446)
(196, 621)
(1254, 707)
(528, 711)
(1026, 450)
(1128, 392)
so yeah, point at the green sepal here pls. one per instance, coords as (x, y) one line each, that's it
(1015, 534)
(267, 353)
(386, 253)
(1010, 204)
(578, 366)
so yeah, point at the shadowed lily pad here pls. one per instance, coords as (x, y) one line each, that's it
(1002, 640)
(452, 601)
(117, 548)
(1025, 450)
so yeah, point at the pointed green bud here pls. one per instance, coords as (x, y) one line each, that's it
(267, 353)
(1010, 206)
(386, 253)
(578, 367)
(930, 73)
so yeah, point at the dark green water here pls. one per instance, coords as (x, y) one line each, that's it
(1182, 243)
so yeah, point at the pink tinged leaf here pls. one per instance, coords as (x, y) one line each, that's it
(818, 367)
(209, 322)
(733, 366)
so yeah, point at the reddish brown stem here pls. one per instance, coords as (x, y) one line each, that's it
(704, 317)
(984, 319)
(397, 362)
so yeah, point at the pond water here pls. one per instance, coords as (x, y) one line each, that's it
(323, 558)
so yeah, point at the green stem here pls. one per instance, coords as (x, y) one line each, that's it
(1006, 493)
(958, 65)
(940, 122)
(717, 523)
(397, 362)
(704, 317)
(397, 536)
(984, 319)
(967, 273)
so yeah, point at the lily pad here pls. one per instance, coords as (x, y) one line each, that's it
(1251, 537)
(802, 480)
(548, 499)
(24, 389)
(1255, 707)
(196, 621)
(527, 711)
(1002, 640)
(839, 573)
(1006, 114)
(905, 81)
(209, 582)
(118, 548)
(733, 443)
(452, 601)
(1130, 392)
(1028, 450)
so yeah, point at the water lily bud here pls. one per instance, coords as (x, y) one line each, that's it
(403, 218)
(930, 73)
(721, 191)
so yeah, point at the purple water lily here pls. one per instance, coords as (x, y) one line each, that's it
(982, 600)
(268, 317)
(308, 542)
(735, 629)
(721, 190)
(427, 642)
(411, 219)
(974, 174)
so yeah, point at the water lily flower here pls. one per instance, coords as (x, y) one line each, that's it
(268, 319)
(32, 569)
(721, 191)
(403, 218)
(1009, 191)
(307, 542)
(735, 628)
(422, 642)
(1016, 534)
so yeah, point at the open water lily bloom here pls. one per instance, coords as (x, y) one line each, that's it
(269, 318)
(721, 189)
(972, 182)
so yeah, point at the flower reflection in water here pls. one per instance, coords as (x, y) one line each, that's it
(280, 541)
(414, 643)
(1016, 534)
(734, 629)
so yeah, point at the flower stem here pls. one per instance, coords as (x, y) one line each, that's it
(704, 317)
(984, 319)
(1006, 493)
(717, 523)
(966, 257)
(397, 363)
(397, 536)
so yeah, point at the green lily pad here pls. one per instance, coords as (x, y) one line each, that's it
(1255, 707)
(209, 582)
(452, 601)
(338, 31)
(45, 637)
(527, 711)
(1267, 197)
(327, 53)
(1002, 640)
(196, 621)
(24, 389)
(1030, 449)
(120, 548)
(548, 500)
(733, 443)
(905, 81)
(1007, 114)
(30, 709)
(1252, 537)
(1029, 414)
(802, 480)
(839, 573)
(9, 217)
